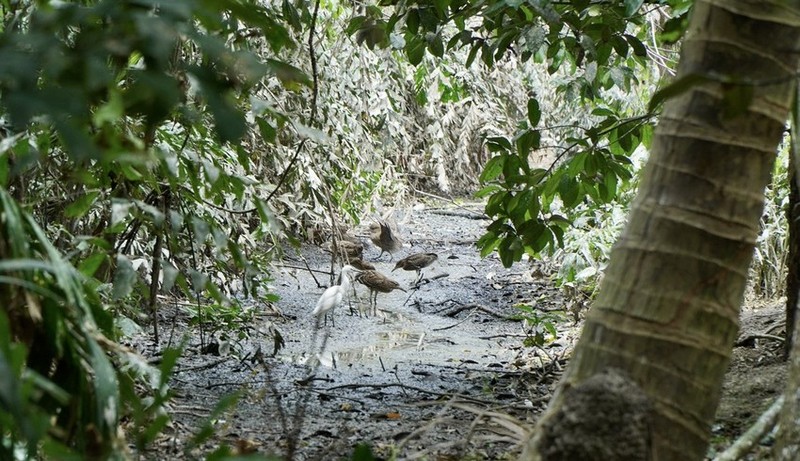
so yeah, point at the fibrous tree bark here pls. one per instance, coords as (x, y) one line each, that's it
(667, 313)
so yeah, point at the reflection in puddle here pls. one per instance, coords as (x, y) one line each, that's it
(386, 340)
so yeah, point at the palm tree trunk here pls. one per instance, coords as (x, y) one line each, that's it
(657, 342)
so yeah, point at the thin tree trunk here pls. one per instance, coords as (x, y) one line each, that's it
(665, 320)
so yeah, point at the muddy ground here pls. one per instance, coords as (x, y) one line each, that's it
(440, 373)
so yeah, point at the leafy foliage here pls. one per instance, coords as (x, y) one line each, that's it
(104, 107)
(602, 45)
(60, 391)
(768, 270)
(540, 327)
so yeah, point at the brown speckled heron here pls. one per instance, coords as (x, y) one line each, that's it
(377, 282)
(416, 262)
(384, 238)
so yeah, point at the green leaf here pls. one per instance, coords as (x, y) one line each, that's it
(620, 45)
(497, 203)
(487, 243)
(415, 49)
(436, 47)
(363, 453)
(268, 132)
(486, 191)
(82, 205)
(534, 113)
(473, 52)
(676, 88)
(498, 144)
(90, 265)
(288, 74)
(529, 140)
(124, 278)
(511, 169)
(355, 24)
(632, 6)
(568, 191)
(636, 45)
(291, 15)
(674, 29)
(493, 168)
(229, 121)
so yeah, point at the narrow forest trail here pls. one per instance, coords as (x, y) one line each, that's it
(440, 373)
(411, 381)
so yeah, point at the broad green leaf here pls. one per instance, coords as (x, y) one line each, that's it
(511, 168)
(536, 175)
(228, 119)
(473, 52)
(486, 191)
(636, 45)
(534, 113)
(90, 264)
(82, 205)
(291, 15)
(632, 6)
(124, 278)
(487, 243)
(498, 144)
(620, 45)
(497, 203)
(288, 74)
(415, 49)
(111, 111)
(436, 47)
(568, 191)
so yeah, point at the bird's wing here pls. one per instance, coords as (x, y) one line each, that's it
(329, 299)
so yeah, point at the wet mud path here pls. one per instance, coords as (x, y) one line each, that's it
(439, 373)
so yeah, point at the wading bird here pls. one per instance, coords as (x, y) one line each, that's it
(345, 248)
(360, 264)
(334, 295)
(377, 282)
(416, 262)
(384, 238)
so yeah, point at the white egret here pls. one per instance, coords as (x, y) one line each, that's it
(334, 295)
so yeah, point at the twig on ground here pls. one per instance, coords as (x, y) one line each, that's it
(204, 366)
(757, 431)
(479, 307)
(750, 338)
(457, 323)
